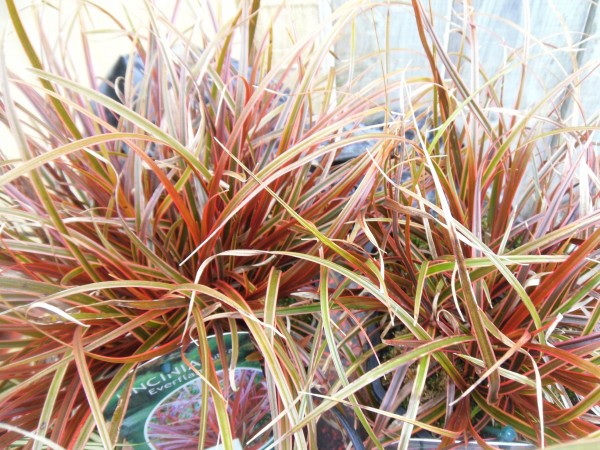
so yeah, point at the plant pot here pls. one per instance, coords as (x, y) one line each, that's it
(497, 437)
(434, 444)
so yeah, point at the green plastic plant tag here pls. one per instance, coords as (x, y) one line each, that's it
(165, 403)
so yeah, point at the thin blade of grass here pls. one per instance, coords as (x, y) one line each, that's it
(116, 421)
(271, 298)
(50, 403)
(36, 63)
(415, 399)
(88, 387)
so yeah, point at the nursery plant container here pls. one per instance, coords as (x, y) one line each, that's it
(504, 438)
(433, 444)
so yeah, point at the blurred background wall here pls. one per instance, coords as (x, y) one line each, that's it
(552, 38)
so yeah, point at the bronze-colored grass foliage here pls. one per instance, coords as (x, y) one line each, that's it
(432, 261)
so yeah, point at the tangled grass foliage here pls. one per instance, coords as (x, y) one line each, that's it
(215, 203)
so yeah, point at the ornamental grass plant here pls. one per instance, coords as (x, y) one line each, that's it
(442, 283)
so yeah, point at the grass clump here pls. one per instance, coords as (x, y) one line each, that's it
(216, 204)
